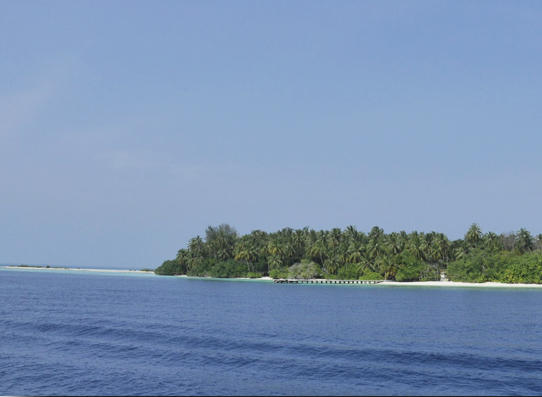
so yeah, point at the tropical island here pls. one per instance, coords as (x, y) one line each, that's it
(350, 254)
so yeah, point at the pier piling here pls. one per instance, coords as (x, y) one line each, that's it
(323, 281)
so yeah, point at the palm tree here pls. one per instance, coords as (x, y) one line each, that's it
(375, 249)
(524, 241)
(424, 248)
(246, 251)
(492, 242)
(331, 265)
(353, 253)
(196, 246)
(318, 251)
(350, 233)
(473, 235)
(274, 248)
(395, 244)
(387, 266)
(459, 252)
(273, 262)
(376, 233)
(442, 248)
(221, 241)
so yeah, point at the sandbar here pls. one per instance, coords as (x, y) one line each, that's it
(78, 269)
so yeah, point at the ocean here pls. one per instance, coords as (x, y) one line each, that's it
(78, 333)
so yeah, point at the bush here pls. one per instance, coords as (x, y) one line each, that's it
(508, 267)
(369, 275)
(254, 275)
(526, 268)
(200, 267)
(429, 273)
(305, 269)
(350, 271)
(478, 266)
(227, 269)
(410, 268)
(409, 273)
(169, 268)
(278, 273)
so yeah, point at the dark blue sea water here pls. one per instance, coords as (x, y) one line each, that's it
(77, 333)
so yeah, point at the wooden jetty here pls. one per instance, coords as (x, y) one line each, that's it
(322, 281)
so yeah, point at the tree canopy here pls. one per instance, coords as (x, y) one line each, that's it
(352, 254)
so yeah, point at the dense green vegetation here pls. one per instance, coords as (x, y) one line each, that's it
(351, 254)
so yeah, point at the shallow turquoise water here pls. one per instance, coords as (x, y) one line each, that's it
(91, 333)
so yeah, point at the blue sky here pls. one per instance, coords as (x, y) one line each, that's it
(128, 127)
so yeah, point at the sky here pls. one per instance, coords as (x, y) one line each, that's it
(128, 127)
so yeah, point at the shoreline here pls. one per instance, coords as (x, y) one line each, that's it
(387, 283)
(265, 278)
(448, 284)
(77, 269)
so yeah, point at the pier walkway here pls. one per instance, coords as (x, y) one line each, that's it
(322, 281)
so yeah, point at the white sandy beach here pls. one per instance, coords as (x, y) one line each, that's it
(79, 269)
(458, 284)
(444, 284)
